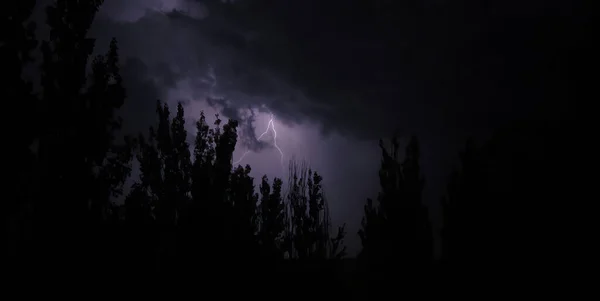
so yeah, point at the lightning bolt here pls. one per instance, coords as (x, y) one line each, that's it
(271, 126)
(212, 80)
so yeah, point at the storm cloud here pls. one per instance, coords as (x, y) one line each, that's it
(422, 66)
(353, 71)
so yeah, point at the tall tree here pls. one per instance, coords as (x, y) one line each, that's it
(62, 164)
(498, 209)
(272, 215)
(204, 157)
(165, 165)
(181, 160)
(396, 233)
(166, 207)
(77, 165)
(463, 211)
(307, 220)
(244, 220)
(110, 160)
(17, 41)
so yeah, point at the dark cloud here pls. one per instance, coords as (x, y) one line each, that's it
(246, 118)
(139, 111)
(213, 55)
(370, 67)
(367, 68)
(363, 69)
(419, 64)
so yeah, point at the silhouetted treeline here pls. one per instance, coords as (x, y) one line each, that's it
(190, 207)
(192, 212)
(510, 205)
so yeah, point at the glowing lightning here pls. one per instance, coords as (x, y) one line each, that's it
(270, 125)
(275, 139)
(212, 80)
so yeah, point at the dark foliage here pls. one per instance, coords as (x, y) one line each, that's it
(17, 41)
(192, 214)
(190, 208)
(510, 207)
(396, 233)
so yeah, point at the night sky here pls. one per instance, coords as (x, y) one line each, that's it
(338, 75)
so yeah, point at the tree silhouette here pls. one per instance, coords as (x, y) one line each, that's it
(67, 154)
(192, 210)
(272, 218)
(17, 41)
(308, 222)
(220, 216)
(244, 201)
(181, 161)
(465, 196)
(188, 207)
(396, 233)
(499, 213)
(109, 160)
(71, 165)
